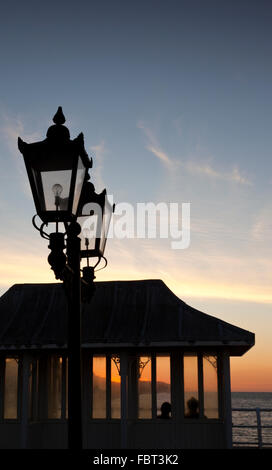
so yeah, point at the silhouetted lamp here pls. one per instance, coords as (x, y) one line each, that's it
(94, 216)
(56, 169)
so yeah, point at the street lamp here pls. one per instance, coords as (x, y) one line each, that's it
(57, 169)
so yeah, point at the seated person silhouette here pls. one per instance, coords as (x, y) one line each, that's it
(165, 410)
(193, 408)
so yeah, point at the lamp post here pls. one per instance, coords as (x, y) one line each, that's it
(57, 169)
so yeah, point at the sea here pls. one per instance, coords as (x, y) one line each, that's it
(251, 400)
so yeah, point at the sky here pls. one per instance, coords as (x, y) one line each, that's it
(174, 100)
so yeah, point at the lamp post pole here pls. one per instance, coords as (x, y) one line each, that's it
(74, 341)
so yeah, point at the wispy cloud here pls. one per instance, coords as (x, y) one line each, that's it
(207, 170)
(13, 127)
(200, 168)
(236, 176)
(161, 155)
(98, 152)
(194, 166)
(10, 129)
(148, 133)
(262, 227)
(154, 147)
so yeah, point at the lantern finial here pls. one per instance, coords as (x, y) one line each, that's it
(58, 131)
(59, 116)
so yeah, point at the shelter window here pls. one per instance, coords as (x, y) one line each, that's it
(200, 377)
(33, 390)
(65, 380)
(99, 386)
(54, 387)
(48, 388)
(163, 386)
(210, 386)
(191, 392)
(154, 386)
(11, 388)
(106, 387)
(144, 387)
(115, 387)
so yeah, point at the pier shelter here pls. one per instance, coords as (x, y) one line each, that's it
(155, 371)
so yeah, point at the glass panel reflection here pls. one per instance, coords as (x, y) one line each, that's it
(106, 223)
(79, 183)
(210, 381)
(54, 387)
(89, 231)
(66, 387)
(99, 387)
(91, 225)
(163, 386)
(115, 389)
(144, 388)
(30, 391)
(11, 389)
(191, 400)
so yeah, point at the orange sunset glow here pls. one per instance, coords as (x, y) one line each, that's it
(252, 372)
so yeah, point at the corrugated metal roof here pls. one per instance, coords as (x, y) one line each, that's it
(121, 312)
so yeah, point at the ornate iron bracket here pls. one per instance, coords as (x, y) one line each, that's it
(142, 365)
(117, 362)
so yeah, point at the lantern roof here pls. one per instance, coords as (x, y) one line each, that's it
(57, 135)
(142, 314)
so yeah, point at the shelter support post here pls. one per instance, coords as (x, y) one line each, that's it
(124, 375)
(25, 364)
(227, 399)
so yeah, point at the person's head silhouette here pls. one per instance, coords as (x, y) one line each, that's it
(165, 410)
(192, 405)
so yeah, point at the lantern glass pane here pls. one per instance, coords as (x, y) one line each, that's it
(55, 179)
(81, 170)
(56, 189)
(91, 224)
(88, 232)
(105, 224)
